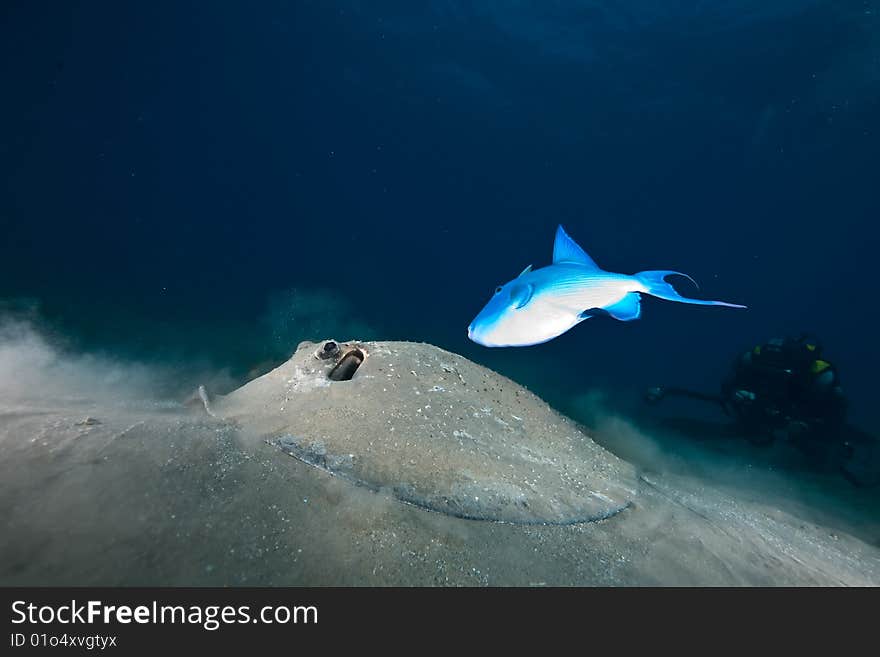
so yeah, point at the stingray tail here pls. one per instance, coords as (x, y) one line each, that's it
(656, 285)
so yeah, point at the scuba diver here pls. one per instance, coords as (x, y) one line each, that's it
(785, 390)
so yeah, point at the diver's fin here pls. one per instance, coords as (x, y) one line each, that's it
(525, 271)
(566, 249)
(627, 309)
(655, 282)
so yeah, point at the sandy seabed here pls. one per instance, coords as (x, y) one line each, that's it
(422, 469)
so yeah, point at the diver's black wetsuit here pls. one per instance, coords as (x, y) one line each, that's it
(785, 389)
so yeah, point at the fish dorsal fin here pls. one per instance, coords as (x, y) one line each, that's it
(525, 271)
(566, 249)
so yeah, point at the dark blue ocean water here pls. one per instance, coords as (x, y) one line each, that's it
(221, 180)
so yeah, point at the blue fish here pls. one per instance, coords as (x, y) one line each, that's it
(540, 305)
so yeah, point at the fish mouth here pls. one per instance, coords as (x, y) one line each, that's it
(475, 336)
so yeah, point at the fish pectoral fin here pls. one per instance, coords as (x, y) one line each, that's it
(593, 312)
(627, 309)
(521, 293)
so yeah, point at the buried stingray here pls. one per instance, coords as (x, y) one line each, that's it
(540, 305)
(433, 430)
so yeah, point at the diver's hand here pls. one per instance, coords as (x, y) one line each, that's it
(744, 396)
(655, 394)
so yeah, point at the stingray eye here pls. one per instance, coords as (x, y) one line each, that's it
(498, 290)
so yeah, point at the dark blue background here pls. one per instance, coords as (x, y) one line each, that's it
(166, 167)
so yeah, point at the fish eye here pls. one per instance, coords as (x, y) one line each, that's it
(498, 290)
